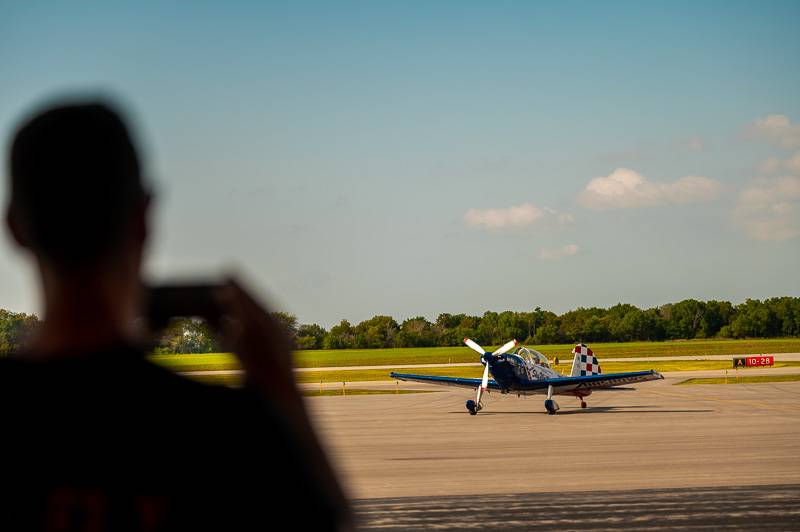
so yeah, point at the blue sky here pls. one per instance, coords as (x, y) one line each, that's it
(353, 159)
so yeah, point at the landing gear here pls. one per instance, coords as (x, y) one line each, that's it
(473, 407)
(583, 404)
(550, 404)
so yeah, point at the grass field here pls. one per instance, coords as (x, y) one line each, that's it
(444, 355)
(744, 379)
(358, 391)
(477, 371)
(345, 375)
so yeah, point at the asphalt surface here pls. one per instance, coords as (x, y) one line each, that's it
(420, 458)
(727, 508)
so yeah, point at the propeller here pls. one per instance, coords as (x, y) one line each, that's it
(485, 358)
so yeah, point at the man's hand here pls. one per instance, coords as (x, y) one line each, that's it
(266, 356)
(260, 344)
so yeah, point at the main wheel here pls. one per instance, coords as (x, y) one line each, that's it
(472, 407)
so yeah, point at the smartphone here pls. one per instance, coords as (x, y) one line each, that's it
(165, 302)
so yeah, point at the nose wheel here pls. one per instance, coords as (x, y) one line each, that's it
(583, 404)
(473, 407)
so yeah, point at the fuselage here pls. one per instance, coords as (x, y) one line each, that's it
(515, 375)
(512, 372)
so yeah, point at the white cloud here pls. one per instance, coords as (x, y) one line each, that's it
(558, 253)
(770, 209)
(625, 189)
(524, 215)
(775, 165)
(777, 130)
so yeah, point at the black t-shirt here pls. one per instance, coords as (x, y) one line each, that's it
(109, 441)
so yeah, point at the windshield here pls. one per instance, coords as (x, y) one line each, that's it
(533, 357)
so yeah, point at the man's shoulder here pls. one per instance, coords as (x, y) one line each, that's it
(116, 375)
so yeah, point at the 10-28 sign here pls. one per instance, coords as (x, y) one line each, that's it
(760, 361)
(755, 361)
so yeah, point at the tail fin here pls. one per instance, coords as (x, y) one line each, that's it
(584, 363)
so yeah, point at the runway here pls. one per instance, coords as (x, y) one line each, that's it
(659, 436)
(727, 508)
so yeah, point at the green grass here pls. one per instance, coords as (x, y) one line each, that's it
(356, 391)
(221, 380)
(444, 355)
(208, 361)
(351, 375)
(675, 365)
(744, 379)
(236, 380)
(476, 371)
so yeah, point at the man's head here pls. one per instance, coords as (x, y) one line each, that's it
(76, 194)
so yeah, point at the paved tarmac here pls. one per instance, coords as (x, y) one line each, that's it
(726, 508)
(660, 436)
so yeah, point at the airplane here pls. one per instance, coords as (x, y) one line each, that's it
(528, 372)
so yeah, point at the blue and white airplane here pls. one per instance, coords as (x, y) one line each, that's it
(528, 372)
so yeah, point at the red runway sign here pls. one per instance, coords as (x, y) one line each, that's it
(760, 361)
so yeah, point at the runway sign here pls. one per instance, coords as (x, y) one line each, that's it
(760, 361)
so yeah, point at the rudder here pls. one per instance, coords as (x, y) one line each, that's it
(584, 363)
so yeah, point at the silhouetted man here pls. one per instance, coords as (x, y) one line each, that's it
(94, 437)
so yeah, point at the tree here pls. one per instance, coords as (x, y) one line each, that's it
(288, 323)
(751, 321)
(187, 335)
(546, 334)
(717, 315)
(340, 336)
(15, 330)
(685, 319)
(376, 332)
(511, 325)
(784, 316)
(416, 332)
(310, 336)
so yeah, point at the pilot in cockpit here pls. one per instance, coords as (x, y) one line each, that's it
(533, 357)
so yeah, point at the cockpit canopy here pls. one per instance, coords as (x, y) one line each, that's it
(532, 357)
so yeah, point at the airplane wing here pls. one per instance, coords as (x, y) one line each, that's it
(444, 381)
(595, 382)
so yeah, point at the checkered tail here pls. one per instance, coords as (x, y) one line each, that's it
(584, 363)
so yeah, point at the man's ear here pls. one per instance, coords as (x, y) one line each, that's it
(15, 227)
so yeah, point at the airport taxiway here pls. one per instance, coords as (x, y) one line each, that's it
(660, 436)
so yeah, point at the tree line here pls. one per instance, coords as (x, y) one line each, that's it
(685, 320)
